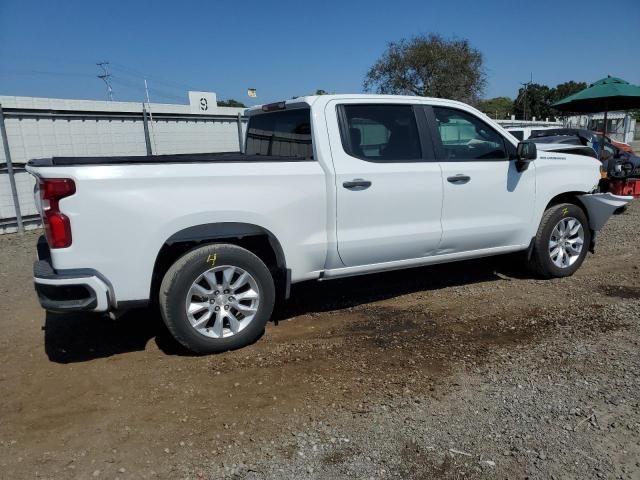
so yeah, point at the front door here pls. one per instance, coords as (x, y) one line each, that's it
(388, 189)
(487, 203)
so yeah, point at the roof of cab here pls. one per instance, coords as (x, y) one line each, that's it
(311, 99)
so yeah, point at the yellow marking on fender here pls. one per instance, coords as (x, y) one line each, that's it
(212, 259)
(565, 210)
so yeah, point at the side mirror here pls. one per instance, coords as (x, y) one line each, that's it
(527, 152)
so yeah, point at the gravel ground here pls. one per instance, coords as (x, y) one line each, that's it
(468, 370)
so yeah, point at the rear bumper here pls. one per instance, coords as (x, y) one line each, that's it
(69, 290)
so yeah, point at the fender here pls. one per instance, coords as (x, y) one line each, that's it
(209, 231)
(600, 206)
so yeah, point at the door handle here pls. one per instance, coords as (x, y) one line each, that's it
(357, 184)
(459, 179)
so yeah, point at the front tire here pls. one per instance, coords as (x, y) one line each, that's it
(216, 298)
(562, 241)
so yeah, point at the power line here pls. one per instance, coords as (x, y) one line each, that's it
(44, 72)
(139, 87)
(135, 80)
(106, 77)
(136, 73)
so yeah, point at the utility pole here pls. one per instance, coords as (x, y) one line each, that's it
(524, 95)
(153, 132)
(105, 76)
(526, 87)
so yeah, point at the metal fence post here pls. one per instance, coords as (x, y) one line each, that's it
(147, 139)
(12, 179)
(240, 136)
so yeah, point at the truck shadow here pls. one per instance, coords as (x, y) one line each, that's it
(309, 297)
(71, 338)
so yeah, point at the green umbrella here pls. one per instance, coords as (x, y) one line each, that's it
(610, 93)
(604, 95)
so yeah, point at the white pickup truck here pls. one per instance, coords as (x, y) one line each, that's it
(327, 187)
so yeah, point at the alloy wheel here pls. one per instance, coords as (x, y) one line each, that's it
(566, 242)
(222, 301)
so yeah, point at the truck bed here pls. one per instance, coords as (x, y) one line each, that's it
(231, 157)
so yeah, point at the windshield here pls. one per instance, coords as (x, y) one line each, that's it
(285, 133)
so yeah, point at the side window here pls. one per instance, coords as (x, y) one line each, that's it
(466, 137)
(380, 133)
(285, 133)
(519, 134)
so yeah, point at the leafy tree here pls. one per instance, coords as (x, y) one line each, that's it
(534, 100)
(429, 66)
(567, 88)
(498, 107)
(321, 92)
(231, 103)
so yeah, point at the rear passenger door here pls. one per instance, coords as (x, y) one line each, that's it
(487, 203)
(388, 188)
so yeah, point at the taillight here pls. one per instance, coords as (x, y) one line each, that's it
(56, 224)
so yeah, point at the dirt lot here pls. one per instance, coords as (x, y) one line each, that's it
(470, 370)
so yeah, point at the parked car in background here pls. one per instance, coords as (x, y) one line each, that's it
(329, 186)
(565, 145)
(592, 138)
(524, 133)
(625, 147)
(620, 163)
(586, 137)
(617, 163)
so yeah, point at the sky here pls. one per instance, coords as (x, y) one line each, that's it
(289, 48)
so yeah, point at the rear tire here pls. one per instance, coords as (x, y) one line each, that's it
(217, 297)
(562, 241)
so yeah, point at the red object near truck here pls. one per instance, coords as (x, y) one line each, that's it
(626, 186)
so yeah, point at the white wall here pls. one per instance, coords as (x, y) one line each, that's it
(194, 136)
(46, 127)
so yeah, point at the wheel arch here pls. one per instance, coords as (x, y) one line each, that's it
(257, 239)
(567, 197)
(573, 198)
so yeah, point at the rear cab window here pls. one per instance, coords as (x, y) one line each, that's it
(283, 133)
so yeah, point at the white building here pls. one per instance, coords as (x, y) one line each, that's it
(620, 125)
